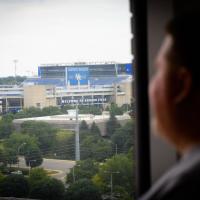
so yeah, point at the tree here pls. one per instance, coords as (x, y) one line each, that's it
(51, 110)
(83, 169)
(44, 132)
(94, 130)
(122, 168)
(64, 145)
(83, 189)
(2, 157)
(11, 80)
(86, 147)
(91, 109)
(111, 125)
(102, 150)
(29, 112)
(6, 127)
(10, 156)
(95, 148)
(83, 126)
(17, 139)
(33, 156)
(8, 117)
(1, 176)
(115, 110)
(123, 137)
(48, 189)
(36, 175)
(14, 186)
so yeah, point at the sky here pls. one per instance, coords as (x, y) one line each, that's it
(36, 32)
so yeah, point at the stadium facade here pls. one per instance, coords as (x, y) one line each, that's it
(70, 84)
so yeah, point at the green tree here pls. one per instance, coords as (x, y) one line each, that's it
(2, 158)
(11, 80)
(102, 150)
(121, 168)
(51, 110)
(8, 156)
(29, 112)
(123, 137)
(94, 130)
(112, 125)
(115, 110)
(33, 156)
(64, 145)
(17, 139)
(95, 148)
(1, 176)
(83, 169)
(36, 175)
(44, 132)
(48, 189)
(6, 127)
(14, 186)
(11, 156)
(83, 189)
(91, 109)
(83, 126)
(8, 117)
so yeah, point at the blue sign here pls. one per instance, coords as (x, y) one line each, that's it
(129, 69)
(39, 71)
(77, 75)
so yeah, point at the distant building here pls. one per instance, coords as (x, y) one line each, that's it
(70, 84)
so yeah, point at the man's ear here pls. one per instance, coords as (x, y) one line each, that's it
(183, 85)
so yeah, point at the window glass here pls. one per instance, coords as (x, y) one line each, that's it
(66, 102)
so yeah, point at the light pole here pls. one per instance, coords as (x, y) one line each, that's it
(77, 145)
(111, 181)
(73, 173)
(18, 151)
(15, 63)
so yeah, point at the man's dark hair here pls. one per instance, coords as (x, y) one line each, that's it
(185, 32)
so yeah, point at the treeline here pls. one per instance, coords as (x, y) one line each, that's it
(37, 140)
(83, 109)
(119, 166)
(41, 139)
(11, 80)
(38, 186)
(88, 180)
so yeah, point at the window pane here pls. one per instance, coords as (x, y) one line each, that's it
(66, 99)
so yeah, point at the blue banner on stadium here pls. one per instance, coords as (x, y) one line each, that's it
(77, 75)
(129, 69)
(39, 71)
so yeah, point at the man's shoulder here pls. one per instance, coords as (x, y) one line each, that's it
(180, 182)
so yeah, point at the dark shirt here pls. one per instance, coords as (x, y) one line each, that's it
(182, 182)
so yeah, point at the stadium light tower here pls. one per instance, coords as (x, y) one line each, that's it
(15, 65)
(77, 143)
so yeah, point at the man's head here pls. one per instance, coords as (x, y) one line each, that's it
(175, 87)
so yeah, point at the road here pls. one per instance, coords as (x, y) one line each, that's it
(61, 166)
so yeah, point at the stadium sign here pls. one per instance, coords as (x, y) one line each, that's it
(85, 100)
(77, 75)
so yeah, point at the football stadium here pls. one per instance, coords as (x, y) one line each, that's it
(81, 83)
